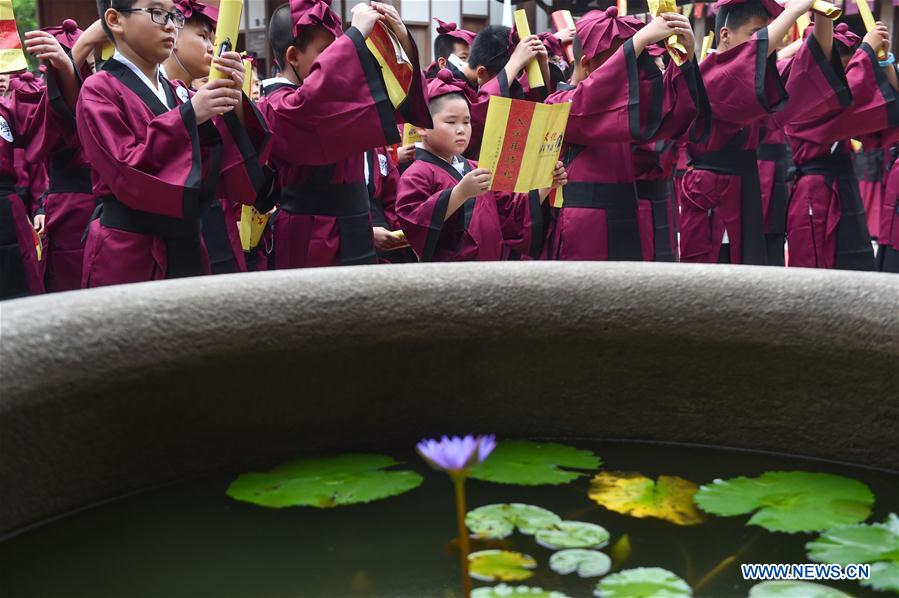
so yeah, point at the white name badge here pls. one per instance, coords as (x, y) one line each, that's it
(183, 95)
(382, 162)
(5, 130)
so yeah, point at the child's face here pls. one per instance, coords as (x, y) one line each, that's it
(302, 59)
(149, 40)
(731, 38)
(194, 47)
(452, 129)
(461, 49)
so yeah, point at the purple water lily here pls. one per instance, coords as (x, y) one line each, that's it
(457, 453)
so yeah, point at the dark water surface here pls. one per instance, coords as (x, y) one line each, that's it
(191, 540)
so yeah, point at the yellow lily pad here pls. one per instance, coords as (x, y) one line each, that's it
(500, 565)
(631, 493)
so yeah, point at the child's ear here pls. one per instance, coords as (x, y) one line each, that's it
(113, 20)
(441, 63)
(481, 74)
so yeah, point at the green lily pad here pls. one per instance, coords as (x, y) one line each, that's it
(642, 582)
(504, 591)
(324, 482)
(500, 565)
(500, 520)
(877, 544)
(794, 589)
(789, 501)
(572, 534)
(587, 563)
(534, 464)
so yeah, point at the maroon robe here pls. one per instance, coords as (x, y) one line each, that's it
(888, 232)
(654, 165)
(826, 225)
(156, 171)
(321, 130)
(722, 192)
(625, 100)
(382, 184)
(872, 167)
(21, 121)
(482, 229)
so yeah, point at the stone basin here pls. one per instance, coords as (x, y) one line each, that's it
(114, 390)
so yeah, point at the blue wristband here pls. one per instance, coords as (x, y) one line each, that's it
(890, 60)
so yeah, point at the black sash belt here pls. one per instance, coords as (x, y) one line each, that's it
(182, 237)
(657, 192)
(772, 152)
(69, 179)
(742, 163)
(854, 251)
(873, 163)
(13, 280)
(349, 204)
(619, 200)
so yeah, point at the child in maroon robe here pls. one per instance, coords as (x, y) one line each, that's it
(159, 153)
(618, 95)
(329, 107)
(25, 118)
(722, 217)
(826, 225)
(382, 180)
(452, 47)
(444, 206)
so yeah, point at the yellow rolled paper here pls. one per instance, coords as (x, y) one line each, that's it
(226, 31)
(247, 77)
(108, 51)
(864, 11)
(676, 50)
(535, 76)
(826, 9)
(706, 45)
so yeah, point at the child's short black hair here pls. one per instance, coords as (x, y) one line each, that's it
(490, 49)
(280, 34)
(737, 15)
(437, 103)
(104, 5)
(444, 45)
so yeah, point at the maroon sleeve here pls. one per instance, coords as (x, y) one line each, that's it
(421, 205)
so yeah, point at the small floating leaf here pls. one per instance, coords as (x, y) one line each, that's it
(500, 520)
(877, 544)
(533, 464)
(794, 589)
(504, 591)
(500, 565)
(621, 550)
(572, 534)
(587, 563)
(642, 582)
(324, 482)
(634, 494)
(789, 501)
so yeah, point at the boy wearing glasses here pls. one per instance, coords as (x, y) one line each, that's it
(160, 153)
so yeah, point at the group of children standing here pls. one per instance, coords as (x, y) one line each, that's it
(147, 163)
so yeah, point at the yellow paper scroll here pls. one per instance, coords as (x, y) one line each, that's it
(107, 51)
(12, 58)
(864, 11)
(251, 226)
(622, 7)
(676, 50)
(535, 76)
(706, 45)
(226, 31)
(521, 143)
(826, 9)
(410, 135)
